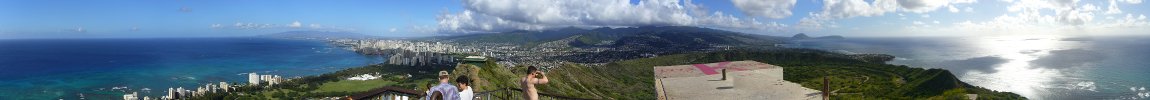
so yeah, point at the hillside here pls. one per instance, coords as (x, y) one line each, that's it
(634, 37)
(852, 78)
(514, 37)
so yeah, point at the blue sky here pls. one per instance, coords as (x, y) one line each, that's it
(214, 18)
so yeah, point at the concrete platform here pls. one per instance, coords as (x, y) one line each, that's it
(746, 80)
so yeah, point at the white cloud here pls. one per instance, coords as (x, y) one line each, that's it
(392, 30)
(1069, 17)
(1067, 12)
(965, 1)
(1113, 8)
(925, 16)
(841, 9)
(813, 23)
(766, 8)
(852, 8)
(1007, 25)
(718, 19)
(1129, 22)
(1132, 1)
(922, 6)
(480, 16)
(936, 22)
(295, 24)
(952, 9)
(1077, 16)
(837, 9)
(968, 9)
(582, 12)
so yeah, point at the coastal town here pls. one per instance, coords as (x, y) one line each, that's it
(552, 53)
(425, 53)
(222, 87)
(412, 53)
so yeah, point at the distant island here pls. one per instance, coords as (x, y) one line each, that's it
(803, 36)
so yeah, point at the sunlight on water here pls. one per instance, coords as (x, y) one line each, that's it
(1034, 66)
(1017, 74)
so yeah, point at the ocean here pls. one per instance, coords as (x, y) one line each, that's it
(1038, 67)
(43, 69)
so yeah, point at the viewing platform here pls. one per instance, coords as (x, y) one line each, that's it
(748, 80)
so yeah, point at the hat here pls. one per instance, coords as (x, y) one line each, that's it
(443, 73)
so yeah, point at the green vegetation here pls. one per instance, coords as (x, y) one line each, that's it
(333, 85)
(351, 85)
(850, 78)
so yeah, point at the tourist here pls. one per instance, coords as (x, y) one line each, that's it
(534, 76)
(429, 85)
(464, 84)
(436, 96)
(449, 91)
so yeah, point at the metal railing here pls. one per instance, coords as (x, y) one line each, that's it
(517, 94)
(388, 93)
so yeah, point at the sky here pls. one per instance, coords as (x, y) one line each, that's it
(414, 18)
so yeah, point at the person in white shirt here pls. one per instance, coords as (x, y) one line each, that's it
(464, 84)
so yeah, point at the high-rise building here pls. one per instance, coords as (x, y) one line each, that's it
(171, 93)
(253, 79)
(266, 78)
(275, 79)
(181, 93)
(132, 96)
(224, 86)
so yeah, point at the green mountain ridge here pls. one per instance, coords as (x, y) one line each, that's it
(621, 37)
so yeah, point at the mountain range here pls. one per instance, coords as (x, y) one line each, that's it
(630, 37)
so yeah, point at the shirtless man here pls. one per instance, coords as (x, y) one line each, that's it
(534, 76)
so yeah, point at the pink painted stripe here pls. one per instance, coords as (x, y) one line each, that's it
(711, 70)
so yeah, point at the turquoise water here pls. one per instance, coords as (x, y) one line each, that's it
(43, 69)
(1038, 67)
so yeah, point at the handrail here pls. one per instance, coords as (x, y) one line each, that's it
(486, 95)
(387, 89)
(506, 93)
